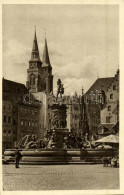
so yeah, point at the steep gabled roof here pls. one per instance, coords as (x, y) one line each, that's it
(100, 82)
(114, 78)
(12, 86)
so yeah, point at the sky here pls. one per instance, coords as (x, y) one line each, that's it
(83, 42)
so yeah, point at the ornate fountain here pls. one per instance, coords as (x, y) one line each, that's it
(55, 151)
(58, 129)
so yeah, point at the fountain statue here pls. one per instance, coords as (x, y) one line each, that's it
(60, 89)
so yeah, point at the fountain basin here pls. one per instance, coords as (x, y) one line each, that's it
(45, 156)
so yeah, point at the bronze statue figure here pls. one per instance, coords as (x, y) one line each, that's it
(60, 89)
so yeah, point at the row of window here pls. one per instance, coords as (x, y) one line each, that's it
(7, 119)
(29, 123)
(75, 116)
(28, 111)
(95, 120)
(99, 98)
(7, 106)
(7, 132)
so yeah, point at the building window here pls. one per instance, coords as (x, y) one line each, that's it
(109, 108)
(108, 119)
(35, 124)
(4, 119)
(35, 112)
(9, 106)
(29, 123)
(32, 123)
(32, 112)
(32, 79)
(114, 87)
(9, 132)
(4, 132)
(26, 122)
(9, 119)
(111, 96)
(22, 122)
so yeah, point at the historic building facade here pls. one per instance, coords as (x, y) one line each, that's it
(28, 120)
(74, 114)
(7, 125)
(102, 105)
(95, 99)
(110, 110)
(20, 117)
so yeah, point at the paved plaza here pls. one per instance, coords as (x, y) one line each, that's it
(60, 177)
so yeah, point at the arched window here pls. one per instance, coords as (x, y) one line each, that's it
(32, 79)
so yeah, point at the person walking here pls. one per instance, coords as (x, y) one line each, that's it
(17, 157)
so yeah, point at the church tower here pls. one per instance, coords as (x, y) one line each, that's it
(39, 75)
(34, 73)
(47, 70)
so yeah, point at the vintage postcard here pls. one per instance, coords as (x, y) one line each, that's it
(62, 97)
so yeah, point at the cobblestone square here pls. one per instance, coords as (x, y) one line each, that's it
(60, 177)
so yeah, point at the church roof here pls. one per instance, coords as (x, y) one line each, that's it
(46, 60)
(35, 51)
(35, 44)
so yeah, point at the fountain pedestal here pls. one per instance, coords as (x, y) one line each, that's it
(58, 130)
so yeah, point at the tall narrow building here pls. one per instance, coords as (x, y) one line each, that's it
(39, 75)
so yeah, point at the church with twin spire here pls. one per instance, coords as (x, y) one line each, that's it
(39, 73)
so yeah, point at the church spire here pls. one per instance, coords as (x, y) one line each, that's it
(46, 60)
(35, 51)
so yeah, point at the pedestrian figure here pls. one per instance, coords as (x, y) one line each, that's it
(17, 157)
(114, 162)
(106, 161)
